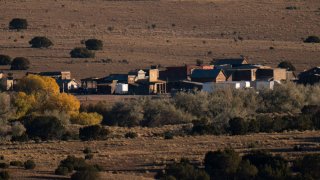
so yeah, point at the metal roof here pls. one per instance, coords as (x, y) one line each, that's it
(231, 61)
(204, 73)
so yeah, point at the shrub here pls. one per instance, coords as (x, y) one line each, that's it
(73, 163)
(4, 175)
(286, 97)
(4, 165)
(302, 122)
(253, 126)
(310, 165)
(87, 174)
(98, 167)
(44, 127)
(40, 42)
(222, 164)
(286, 65)
(201, 127)
(18, 24)
(102, 108)
(316, 120)
(94, 44)
(183, 170)
(168, 135)
(163, 112)
(269, 166)
(20, 63)
(5, 60)
(312, 39)
(292, 8)
(17, 129)
(29, 164)
(17, 163)
(310, 109)
(131, 135)
(125, 114)
(61, 171)
(265, 123)
(84, 118)
(94, 132)
(88, 156)
(23, 138)
(87, 150)
(196, 104)
(246, 171)
(81, 53)
(238, 126)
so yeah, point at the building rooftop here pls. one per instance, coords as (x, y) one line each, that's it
(230, 61)
(204, 73)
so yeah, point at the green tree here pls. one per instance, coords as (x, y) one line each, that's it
(93, 132)
(94, 44)
(40, 42)
(5, 60)
(222, 164)
(20, 63)
(44, 127)
(184, 170)
(162, 112)
(310, 165)
(246, 171)
(81, 53)
(18, 24)
(87, 174)
(125, 114)
(312, 39)
(269, 166)
(238, 126)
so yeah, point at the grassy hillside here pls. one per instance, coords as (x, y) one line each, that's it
(162, 32)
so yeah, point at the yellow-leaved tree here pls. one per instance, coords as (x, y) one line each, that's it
(86, 118)
(34, 84)
(63, 102)
(23, 104)
(44, 93)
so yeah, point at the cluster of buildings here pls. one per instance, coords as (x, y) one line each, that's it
(223, 73)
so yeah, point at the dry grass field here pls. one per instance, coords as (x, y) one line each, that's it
(166, 32)
(141, 157)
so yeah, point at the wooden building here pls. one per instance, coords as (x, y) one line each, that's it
(6, 82)
(230, 62)
(89, 85)
(311, 76)
(214, 75)
(67, 85)
(273, 74)
(55, 74)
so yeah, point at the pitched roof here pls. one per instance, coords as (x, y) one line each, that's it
(204, 73)
(56, 73)
(310, 72)
(118, 77)
(231, 61)
(252, 66)
(60, 81)
(90, 79)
